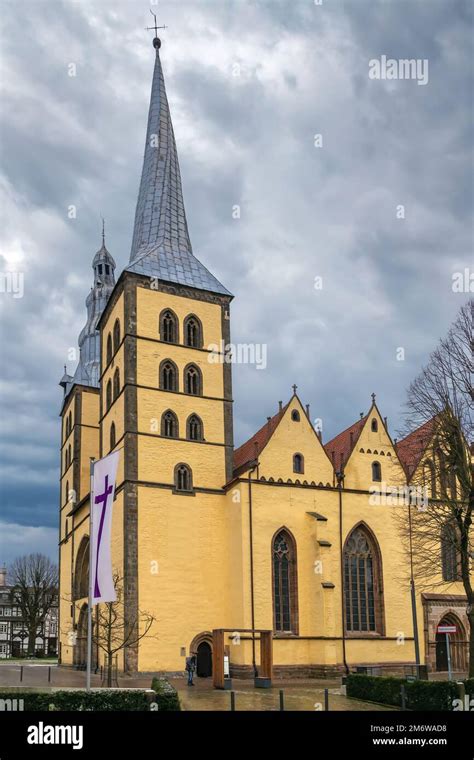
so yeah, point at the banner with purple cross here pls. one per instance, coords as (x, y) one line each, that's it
(104, 474)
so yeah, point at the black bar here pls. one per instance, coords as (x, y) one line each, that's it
(282, 700)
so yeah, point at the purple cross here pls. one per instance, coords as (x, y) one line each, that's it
(98, 499)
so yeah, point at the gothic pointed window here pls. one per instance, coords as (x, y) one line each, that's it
(116, 335)
(168, 376)
(376, 472)
(295, 415)
(168, 326)
(298, 463)
(112, 436)
(285, 595)
(362, 583)
(109, 348)
(66, 494)
(108, 396)
(192, 332)
(194, 428)
(116, 383)
(192, 380)
(183, 478)
(169, 424)
(69, 453)
(374, 425)
(450, 553)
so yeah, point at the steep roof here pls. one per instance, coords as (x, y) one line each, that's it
(161, 246)
(411, 448)
(343, 444)
(255, 445)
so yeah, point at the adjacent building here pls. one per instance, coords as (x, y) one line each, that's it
(13, 631)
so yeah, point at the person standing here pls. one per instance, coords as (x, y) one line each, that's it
(190, 668)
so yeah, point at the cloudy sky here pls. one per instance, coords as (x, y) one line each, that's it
(250, 84)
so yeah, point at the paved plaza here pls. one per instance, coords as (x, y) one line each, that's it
(304, 695)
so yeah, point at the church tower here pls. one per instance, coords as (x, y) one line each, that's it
(166, 397)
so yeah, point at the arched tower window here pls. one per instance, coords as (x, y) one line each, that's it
(169, 425)
(168, 326)
(67, 492)
(376, 472)
(192, 332)
(362, 582)
(285, 587)
(109, 348)
(108, 396)
(168, 376)
(112, 436)
(116, 335)
(116, 383)
(193, 380)
(194, 428)
(69, 453)
(183, 478)
(374, 425)
(298, 463)
(449, 553)
(295, 415)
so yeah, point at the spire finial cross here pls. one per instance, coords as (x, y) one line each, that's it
(373, 398)
(294, 389)
(103, 230)
(155, 27)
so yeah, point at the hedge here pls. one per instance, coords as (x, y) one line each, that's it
(166, 695)
(420, 695)
(469, 684)
(99, 700)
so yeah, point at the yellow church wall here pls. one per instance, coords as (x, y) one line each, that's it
(150, 304)
(289, 438)
(116, 312)
(157, 458)
(183, 572)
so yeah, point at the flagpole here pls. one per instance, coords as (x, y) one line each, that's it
(89, 605)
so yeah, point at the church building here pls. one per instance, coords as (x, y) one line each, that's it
(279, 534)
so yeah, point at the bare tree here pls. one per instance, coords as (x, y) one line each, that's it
(34, 590)
(440, 419)
(112, 632)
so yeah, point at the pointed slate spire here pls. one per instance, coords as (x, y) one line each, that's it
(161, 245)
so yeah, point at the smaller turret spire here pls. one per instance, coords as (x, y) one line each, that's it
(88, 368)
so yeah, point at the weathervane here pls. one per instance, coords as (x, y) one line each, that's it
(156, 40)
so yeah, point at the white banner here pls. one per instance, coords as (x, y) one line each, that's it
(104, 474)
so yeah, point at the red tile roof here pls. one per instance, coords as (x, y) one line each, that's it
(341, 444)
(252, 448)
(411, 448)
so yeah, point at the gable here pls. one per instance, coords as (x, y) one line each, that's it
(373, 445)
(290, 437)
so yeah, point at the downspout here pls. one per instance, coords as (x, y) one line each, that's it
(252, 597)
(340, 482)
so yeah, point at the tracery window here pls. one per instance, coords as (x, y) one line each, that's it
(285, 600)
(362, 583)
